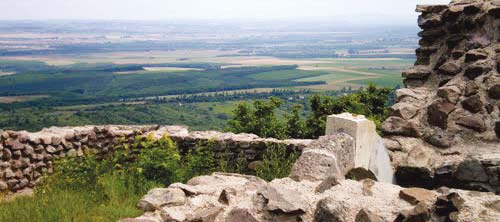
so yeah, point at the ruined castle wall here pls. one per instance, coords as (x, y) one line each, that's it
(447, 120)
(25, 157)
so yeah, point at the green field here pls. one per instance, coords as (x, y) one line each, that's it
(287, 75)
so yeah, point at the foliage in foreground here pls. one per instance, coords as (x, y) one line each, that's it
(260, 118)
(106, 188)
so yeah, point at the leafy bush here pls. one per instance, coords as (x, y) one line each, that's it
(277, 163)
(200, 160)
(260, 119)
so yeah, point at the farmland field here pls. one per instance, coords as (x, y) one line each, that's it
(183, 73)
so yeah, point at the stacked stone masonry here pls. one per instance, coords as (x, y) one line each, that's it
(25, 157)
(446, 122)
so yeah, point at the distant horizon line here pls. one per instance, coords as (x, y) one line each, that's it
(228, 20)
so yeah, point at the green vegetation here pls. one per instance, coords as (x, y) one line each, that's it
(389, 78)
(97, 82)
(107, 187)
(277, 163)
(286, 75)
(261, 118)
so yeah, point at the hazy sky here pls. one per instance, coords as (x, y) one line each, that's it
(360, 11)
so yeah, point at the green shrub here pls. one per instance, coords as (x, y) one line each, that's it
(277, 163)
(200, 160)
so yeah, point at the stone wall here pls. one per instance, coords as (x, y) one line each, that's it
(446, 122)
(25, 157)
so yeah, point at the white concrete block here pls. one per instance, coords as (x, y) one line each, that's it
(370, 152)
(360, 128)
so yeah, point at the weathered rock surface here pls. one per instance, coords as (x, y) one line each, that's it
(348, 201)
(454, 93)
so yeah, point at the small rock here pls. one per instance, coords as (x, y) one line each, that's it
(360, 174)
(471, 170)
(8, 173)
(3, 186)
(476, 70)
(254, 164)
(226, 195)
(450, 69)
(457, 54)
(417, 195)
(206, 214)
(471, 88)
(241, 215)
(315, 165)
(494, 91)
(404, 110)
(329, 210)
(159, 197)
(398, 126)
(328, 183)
(420, 213)
(284, 200)
(417, 73)
(473, 56)
(438, 113)
(475, 123)
(367, 216)
(429, 21)
(391, 145)
(50, 149)
(450, 93)
(14, 144)
(473, 104)
(439, 139)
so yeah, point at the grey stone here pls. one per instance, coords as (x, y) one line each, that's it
(471, 170)
(329, 210)
(280, 199)
(328, 183)
(417, 73)
(450, 69)
(241, 215)
(315, 165)
(159, 197)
